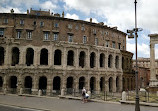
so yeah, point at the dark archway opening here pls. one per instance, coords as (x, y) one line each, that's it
(117, 62)
(110, 61)
(81, 83)
(1, 82)
(110, 84)
(102, 84)
(44, 57)
(92, 84)
(56, 83)
(28, 82)
(57, 57)
(101, 60)
(70, 58)
(92, 60)
(117, 84)
(123, 63)
(13, 82)
(15, 56)
(82, 59)
(29, 56)
(43, 83)
(1, 56)
(69, 85)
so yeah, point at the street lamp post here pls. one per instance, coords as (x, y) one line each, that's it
(131, 35)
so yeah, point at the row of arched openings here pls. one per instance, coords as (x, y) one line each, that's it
(58, 58)
(57, 83)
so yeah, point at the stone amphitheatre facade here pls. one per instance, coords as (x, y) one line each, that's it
(39, 50)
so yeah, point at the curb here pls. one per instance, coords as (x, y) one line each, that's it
(141, 103)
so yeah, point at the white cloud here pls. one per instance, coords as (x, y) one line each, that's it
(73, 16)
(48, 5)
(94, 20)
(143, 50)
(120, 12)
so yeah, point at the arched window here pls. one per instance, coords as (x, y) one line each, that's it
(70, 58)
(15, 56)
(117, 62)
(102, 60)
(110, 61)
(44, 57)
(82, 59)
(28, 82)
(110, 84)
(56, 83)
(1, 56)
(81, 83)
(57, 57)
(92, 60)
(29, 56)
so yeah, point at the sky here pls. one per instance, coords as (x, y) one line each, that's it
(120, 13)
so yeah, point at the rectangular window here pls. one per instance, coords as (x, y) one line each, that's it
(107, 43)
(84, 39)
(21, 22)
(1, 32)
(113, 44)
(76, 27)
(41, 24)
(46, 35)
(5, 20)
(94, 31)
(56, 25)
(19, 34)
(55, 36)
(83, 28)
(119, 45)
(96, 41)
(29, 34)
(69, 26)
(70, 38)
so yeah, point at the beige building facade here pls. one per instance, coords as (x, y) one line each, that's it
(39, 50)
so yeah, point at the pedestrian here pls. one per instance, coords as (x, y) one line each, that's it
(86, 97)
(83, 94)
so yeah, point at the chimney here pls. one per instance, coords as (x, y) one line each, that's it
(63, 14)
(12, 11)
(27, 11)
(91, 20)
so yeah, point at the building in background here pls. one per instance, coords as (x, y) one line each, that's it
(39, 50)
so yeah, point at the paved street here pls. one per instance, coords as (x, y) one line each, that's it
(55, 104)
(12, 108)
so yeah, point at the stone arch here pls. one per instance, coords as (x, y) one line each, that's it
(117, 62)
(102, 84)
(44, 57)
(102, 60)
(28, 82)
(70, 58)
(81, 82)
(13, 82)
(117, 84)
(92, 60)
(15, 56)
(29, 56)
(123, 62)
(42, 83)
(110, 84)
(92, 84)
(1, 81)
(82, 59)
(69, 84)
(1, 56)
(57, 57)
(56, 83)
(110, 58)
